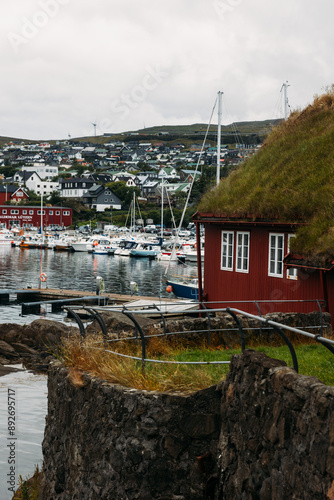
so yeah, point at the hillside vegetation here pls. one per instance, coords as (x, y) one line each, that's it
(290, 179)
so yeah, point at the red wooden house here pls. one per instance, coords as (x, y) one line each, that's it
(282, 197)
(244, 263)
(12, 193)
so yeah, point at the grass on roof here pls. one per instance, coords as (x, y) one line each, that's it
(290, 179)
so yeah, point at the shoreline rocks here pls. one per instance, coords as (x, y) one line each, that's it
(30, 345)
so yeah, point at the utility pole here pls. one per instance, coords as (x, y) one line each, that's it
(219, 134)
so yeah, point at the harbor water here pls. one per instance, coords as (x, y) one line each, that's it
(20, 268)
(23, 397)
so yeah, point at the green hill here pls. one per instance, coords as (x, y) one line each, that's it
(290, 179)
(256, 130)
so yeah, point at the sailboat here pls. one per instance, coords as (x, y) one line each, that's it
(191, 288)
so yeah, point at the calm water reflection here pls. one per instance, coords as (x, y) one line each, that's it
(30, 394)
(78, 270)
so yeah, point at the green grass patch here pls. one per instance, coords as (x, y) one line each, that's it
(313, 360)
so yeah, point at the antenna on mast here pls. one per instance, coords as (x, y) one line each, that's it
(286, 101)
(219, 134)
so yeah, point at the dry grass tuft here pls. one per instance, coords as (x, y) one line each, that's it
(88, 355)
(75, 377)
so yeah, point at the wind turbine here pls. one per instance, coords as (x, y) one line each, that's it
(94, 125)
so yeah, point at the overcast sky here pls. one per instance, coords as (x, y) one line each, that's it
(126, 64)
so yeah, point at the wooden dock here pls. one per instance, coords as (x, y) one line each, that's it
(48, 294)
(33, 299)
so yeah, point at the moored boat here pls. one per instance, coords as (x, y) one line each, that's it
(187, 289)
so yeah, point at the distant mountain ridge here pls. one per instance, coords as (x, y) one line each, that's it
(260, 128)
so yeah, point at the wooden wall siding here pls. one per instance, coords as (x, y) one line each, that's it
(256, 284)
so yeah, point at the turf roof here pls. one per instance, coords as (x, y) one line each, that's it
(291, 179)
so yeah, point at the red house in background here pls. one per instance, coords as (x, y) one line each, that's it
(12, 193)
(248, 261)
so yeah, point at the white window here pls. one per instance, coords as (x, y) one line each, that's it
(50, 212)
(291, 273)
(4, 211)
(24, 212)
(66, 212)
(276, 251)
(31, 212)
(57, 212)
(242, 256)
(227, 250)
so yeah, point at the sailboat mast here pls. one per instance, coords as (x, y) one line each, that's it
(133, 215)
(162, 206)
(219, 134)
(42, 213)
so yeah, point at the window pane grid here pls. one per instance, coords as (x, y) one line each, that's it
(227, 250)
(242, 252)
(276, 253)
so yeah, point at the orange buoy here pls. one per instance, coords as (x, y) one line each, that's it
(169, 289)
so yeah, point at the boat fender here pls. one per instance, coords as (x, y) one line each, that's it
(169, 289)
(43, 277)
(95, 243)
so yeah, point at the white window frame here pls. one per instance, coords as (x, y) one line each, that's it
(278, 262)
(242, 252)
(228, 246)
(291, 272)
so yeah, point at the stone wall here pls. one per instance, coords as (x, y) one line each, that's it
(264, 433)
(277, 435)
(103, 441)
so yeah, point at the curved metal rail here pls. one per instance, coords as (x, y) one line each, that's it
(234, 313)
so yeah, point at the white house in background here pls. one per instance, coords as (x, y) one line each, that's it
(129, 179)
(168, 173)
(32, 181)
(44, 171)
(75, 187)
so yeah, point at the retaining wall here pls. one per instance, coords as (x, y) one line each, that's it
(264, 433)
